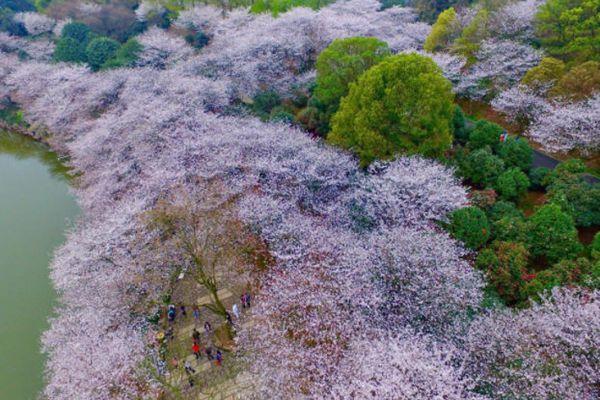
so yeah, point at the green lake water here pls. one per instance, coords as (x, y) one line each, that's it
(36, 209)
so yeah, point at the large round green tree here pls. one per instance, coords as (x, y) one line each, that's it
(401, 105)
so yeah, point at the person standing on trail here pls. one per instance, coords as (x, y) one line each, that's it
(228, 318)
(243, 299)
(208, 352)
(236, 311)
(207, 327)
(195, 335)
(247, 297)
(219, 358)
(171, 313)
(196, 312)
(175, 363)
(188, 368)
(196, 350)
(183, 312)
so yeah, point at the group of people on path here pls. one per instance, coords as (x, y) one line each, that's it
(197, 347)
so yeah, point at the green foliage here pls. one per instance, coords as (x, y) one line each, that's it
(385, 4)
(264, 102)
(401, 105)
(565, 272)
(41, 5)
(503, 209)
(445, 30)
(544, 75)
(481, 167)
(280, 114)
(69, 50)
(126, 55)
(277, 7)
(552, 234)
(470, 225)
(100, 50)
(17, 5)
(515, 152)
(461, 133)
(507, 273)
(483, 199)
(429, 9)
(512, 184)
(537, 177)
(510, 229)
(580, 82)
(340, 64)
(197, 39)
(570, 29)
(77, 31)
(485, 133)
(472, 35)
(9, 25)
(595, 247)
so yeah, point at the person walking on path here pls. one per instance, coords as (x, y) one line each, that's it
(219, 358)
(196, 312)
(196, 335)
(247, 299)
(171, 313)
(175, 363)
(196, 350)
(208, 352)
(243, 300)
(183, 312)
(228, 318)
(236, 311)
(188, 368)
(207, 327)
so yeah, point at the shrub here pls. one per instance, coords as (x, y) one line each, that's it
(551, 233)
(545, 75)
(340, 64)
(461, 133)
(595, 247)
(445, 30)
(17, 5)
(481, 167)
(483, 199)
(9, 25)
(537, 176)
(470, 225)
(510, 229)
(565, 272)
(512, 184)
(580, 82)
(126, 55)
(516, 152)
(401, 105)
(484, 134)
(100, 50)
(69, 50)
(197, 39)
(265, 102)
(280, 114)
(504, 209)
(78, 31)
(506, 276)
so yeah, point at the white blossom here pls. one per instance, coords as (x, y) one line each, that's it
(35, 23)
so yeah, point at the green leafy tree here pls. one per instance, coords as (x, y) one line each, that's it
(470, 225)
(472, 35)
(445, 30)
(100, 50)
(461, 132)
(506, 276)
(264, 102)
(545, 75)
(9, 25)
(481, 167)
(69, 50)
(595, 247)
(197, 39)
(126, 55)
(510, 229)
(580, 82)
(537, 177)
(570, 29)
(551, 234)
(485, 133)
(512, 184)
(78, 31)
(340, 64)
(516, 152)
(502, 209)
(401, 105)
(565, 272)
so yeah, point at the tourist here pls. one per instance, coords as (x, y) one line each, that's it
(169, 335)
(195, 335)
(228, 318)
(247, 296)
(171, 313)
(196, 350)
(188, 368)
(175, 363)
(243, 300)
(183, 312)
(196, 312)
(191, 381)
(219, 358)
(207, 327)
(208, 352)
(236, 311)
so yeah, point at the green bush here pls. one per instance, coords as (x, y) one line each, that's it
(481, 167)
(402, 105)
(277, 7)
(470, 225)
(69, 50)
(126, 55)
(565, 272)
(100, 50)
(9, 25)
(510, 229)
(512, 184)
(280, 114)
(264, 102)
(461, 133)
(78, 31)
(198, 39)
(507, 275)
(516, 152)
(504, 209)
(537, 177)
(485, 133)
(445, 30)
(340, 64)
(546, 74)
(551, 233)
(595, 247)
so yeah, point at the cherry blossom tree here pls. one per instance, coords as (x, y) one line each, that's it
(35, 23)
